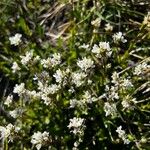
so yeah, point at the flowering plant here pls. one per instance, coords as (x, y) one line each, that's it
(91, 94)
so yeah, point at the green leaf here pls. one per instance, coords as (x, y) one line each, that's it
(23, 25)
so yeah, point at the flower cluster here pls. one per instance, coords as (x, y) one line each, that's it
(110, 109)
(16, 39)
(85, 63)
(8, 100)
(77, 125)
(19, 89)
(16, 112)
(38, 139)
(108, 27)
(122, 135)
(52, 61)
(140, 68)
(75, 75)
(25, 59)
(78, 78)
(103, 49)
(84, 102)
(118, 37)
(15, 67)
(82, 88)
(96, 22)
(8, 132)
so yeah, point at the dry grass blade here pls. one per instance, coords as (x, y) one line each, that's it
(62, 29)
(52, 12)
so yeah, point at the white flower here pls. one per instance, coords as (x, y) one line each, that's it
(33, 94)
(126, 83)
(78, 78)
(40, 86)
(113, 93)
(15, 40)
(25, 59)
(115, 78)
(46, 98)
(120, 132)
(46, 90)
(88, 98)
(76, 144)
(140, 68)
(85, 46)
(107, 88)
(38, 139)
(108, 66)
(76, 124)
(51, 61)
(52, 89)
(6, 131)
(56, 59)
(37, 58)
(96, 22)
(19, 89)
(8, 101)
(15, 67)
(73, 103)
(71, 90)
(122, 135)
(108, 27)
(125, 104)
(103, 47)
(117, 37)
(46, 62)
(17, 129)
(85, 63)
(110, 109)
(89, 82)
(59, 75)
(68, 70)
(126, 141)
(96, 49)
(16, 112)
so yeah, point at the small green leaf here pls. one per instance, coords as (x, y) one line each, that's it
(23, 25)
